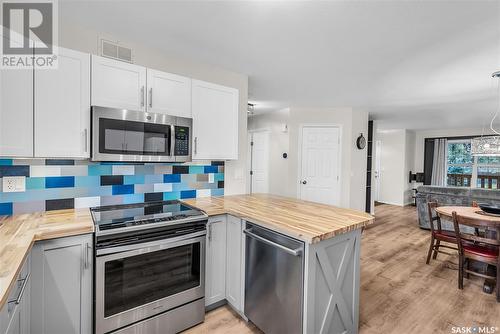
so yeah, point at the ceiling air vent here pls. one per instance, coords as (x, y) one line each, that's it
(114, 50)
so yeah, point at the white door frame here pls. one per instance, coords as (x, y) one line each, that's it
(250, 154)
(376, 171)
(339, 160)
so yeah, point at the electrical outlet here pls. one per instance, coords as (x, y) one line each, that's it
(12, 184)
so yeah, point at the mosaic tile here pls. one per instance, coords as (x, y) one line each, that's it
(162, 187)
(217, 192)
(59, 204)
(173, 195)
(123, 189)
(28, 207)
(153, 178)
(172, 178)
(203, 193)
(37, 171)
(188, 194)
(133, 179)
(14, 171)
(153, 197)
(74, 171)
(108, 180)
(87, 202)
(35, 183)
(133, 198)
(53, 184)
(123, 170)
(144, 188)
(211, 169)
(196, 169)
(60, 182)
(100, 169)
(5, 209)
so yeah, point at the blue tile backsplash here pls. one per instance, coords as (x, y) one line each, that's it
(63, 184)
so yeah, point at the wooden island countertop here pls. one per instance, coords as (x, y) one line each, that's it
(19, 232)
(306, 221)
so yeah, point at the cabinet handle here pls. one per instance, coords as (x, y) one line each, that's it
(21, 293)
(209, 232)
(151, 97)
(142, 96)
(195, 145)
(87, 257)
(85, 133)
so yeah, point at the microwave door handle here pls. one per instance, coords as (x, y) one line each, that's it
(172, 140)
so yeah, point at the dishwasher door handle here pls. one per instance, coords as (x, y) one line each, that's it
(294, 252)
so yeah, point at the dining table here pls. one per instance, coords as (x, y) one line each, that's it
(475, 212)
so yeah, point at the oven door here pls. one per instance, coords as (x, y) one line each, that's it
(136, 284)
(126, 135)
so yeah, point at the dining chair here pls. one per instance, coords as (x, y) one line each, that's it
(438, 234)
(477, 248)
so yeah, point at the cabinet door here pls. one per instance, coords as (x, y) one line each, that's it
(169, 94)
(215, 278)
(215, 121)
(16, 113)
(61, 294)
(117, 84)
(62, 107)
(233, 262)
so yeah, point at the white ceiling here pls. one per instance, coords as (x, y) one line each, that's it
(412, 64)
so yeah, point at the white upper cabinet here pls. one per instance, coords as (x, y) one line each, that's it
(215, 121)
(62, 107)
(16, 113)
(168, 93)
(117, 84)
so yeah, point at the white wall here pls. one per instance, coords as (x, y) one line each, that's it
(422, 134)
(409, 166)
(86, 40)
(353, 177)
(278, 144)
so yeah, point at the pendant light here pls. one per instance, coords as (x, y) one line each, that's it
(488, 146)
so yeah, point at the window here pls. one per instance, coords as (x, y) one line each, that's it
(465, 170)
(460, 163)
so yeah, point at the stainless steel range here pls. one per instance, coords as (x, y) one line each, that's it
(150, 267)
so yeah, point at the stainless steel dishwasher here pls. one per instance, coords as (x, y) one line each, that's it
(274, 280)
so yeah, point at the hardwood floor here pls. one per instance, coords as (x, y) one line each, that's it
(399, 292)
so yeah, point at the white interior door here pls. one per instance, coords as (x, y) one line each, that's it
(260, 162)
(376, 175)
(320, 165)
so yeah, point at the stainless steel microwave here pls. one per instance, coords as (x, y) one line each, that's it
(138, 136)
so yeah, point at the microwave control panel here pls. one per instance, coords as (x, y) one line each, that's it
(181, 140)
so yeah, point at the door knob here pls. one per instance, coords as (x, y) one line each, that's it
(304, 182)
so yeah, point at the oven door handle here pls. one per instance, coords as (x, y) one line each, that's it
(152, 246)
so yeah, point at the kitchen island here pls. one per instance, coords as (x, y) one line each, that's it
(331, 238)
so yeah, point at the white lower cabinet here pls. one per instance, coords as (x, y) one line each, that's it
(224, 273)
(215, 282)
(15, 314)
(61, 295)
(234, 263)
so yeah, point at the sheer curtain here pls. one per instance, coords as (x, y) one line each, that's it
(439, 162)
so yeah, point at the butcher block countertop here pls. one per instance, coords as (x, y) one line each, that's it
(307, 221)
(19, 232)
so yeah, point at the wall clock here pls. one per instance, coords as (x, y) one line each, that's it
(361, 142)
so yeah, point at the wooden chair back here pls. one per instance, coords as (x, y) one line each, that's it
(434, 217)
(475, 223)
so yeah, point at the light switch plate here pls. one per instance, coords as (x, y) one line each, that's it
(12, 184)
